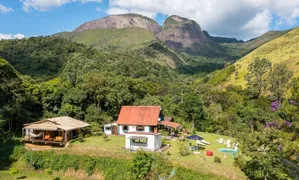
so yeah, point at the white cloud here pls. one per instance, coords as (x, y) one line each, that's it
(11, 36)
(98, 9)
(234, 18)
(45, 5)
(4, 9)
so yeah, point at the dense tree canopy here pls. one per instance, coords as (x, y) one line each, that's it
(47, 77)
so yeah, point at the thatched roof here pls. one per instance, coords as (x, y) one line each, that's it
(59, 123)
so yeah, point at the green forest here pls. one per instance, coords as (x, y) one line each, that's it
(44, 77)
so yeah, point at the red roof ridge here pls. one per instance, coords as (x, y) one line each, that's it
(139, 115)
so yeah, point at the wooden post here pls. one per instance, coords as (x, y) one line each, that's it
(65, 136)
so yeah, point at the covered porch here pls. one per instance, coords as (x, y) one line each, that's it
(172, 128)
(53, 131)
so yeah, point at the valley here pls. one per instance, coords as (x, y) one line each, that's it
(212, 87)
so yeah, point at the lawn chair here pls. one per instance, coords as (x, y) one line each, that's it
(220, 140)
(205, 142)
(198, 142)
(228, 143)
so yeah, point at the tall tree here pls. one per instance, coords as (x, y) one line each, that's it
(257, 76)
(193, 108)
(264, 152)
(279, 79)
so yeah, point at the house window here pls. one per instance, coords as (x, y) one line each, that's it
(108, 128)
(140, 128)
(139, 141)
(125, 128)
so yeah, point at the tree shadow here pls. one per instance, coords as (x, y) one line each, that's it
(6, 151)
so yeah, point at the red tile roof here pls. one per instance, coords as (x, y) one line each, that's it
(139, 115)
(170, 124)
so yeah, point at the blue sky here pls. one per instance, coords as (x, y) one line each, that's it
(232, 18)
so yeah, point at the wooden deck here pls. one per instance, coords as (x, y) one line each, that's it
(41, 141)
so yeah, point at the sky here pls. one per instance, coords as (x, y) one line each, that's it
(242, 19)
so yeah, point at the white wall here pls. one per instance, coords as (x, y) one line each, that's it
(108, 131)
(132, 128)
(154, 142)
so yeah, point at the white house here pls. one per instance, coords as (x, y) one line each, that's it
(140, 124)
(139, 119)
(110, 128)
(143, 140)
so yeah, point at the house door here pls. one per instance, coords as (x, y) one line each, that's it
(115, 130)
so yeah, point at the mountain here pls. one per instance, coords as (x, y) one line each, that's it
(107, 39)
(121, 21)
(179, 32)
(221, 39)
(180, 36)
(284, 49)
(244, 48)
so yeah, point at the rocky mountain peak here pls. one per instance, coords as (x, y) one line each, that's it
(179, 32)
(121, 21)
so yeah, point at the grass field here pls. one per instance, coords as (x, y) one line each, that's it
(196, 162)
(96, 146)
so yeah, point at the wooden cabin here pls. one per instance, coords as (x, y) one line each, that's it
(58, 130)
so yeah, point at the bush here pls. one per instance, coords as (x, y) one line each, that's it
(18, 151)
(113, 169)
(81, 138)
(183, 149)
(142, 163)
(106, 138)
(87, 135)
(217, 159)
(49, 172)
(13, 170)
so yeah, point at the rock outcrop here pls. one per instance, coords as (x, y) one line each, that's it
(180, 32)
(121, 21)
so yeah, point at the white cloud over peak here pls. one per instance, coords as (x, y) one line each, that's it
(11, 36)
(45, 5)
(4, 9)
(234, 18)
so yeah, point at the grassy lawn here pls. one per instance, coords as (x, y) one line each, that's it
(197, 162)
(97, 146)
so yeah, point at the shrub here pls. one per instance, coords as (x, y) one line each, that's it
(163, 141)
(49, 172)
(142, 163)
(87, 135)
(217, 159)
(18, 151)
(81, 138)
(161, 167)
(106, 138)
(13, 170)
(113, 169)
(183, 149)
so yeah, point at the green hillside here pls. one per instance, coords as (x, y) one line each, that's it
(127, 38)
(284, 49)
(241, 49)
